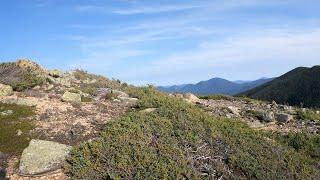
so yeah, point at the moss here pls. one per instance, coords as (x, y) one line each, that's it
(165, 144)
(10, 142)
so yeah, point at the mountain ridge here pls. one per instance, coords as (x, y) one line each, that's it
(296, 87)
(215, 86)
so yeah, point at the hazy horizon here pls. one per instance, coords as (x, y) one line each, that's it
(164, 42)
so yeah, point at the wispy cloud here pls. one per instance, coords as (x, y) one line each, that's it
(155, 9)
(137, 10)
(284, 47)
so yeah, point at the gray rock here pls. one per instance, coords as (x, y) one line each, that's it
(283, 117)
(267, 116)
(42, 156)
(127, 100)
(21, 101)
(5, 90)
(101, 93)
(191, 98)
(71, 97)
(234, 110)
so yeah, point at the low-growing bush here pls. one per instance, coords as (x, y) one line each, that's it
(217, 97)
(308, 115)
(181, 141)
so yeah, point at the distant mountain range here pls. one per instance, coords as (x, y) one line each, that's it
(300, 86)
(215, 86)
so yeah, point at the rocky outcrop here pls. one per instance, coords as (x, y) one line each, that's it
(42, 156)
(283, 117)
(267, 116)
(71, 97)
(191, 97)
(5, 90)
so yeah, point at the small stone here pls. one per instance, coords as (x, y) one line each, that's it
(50, 87)
(283, 117)
(19, 132)
(317, 112)
(36, 87)
(5, 90)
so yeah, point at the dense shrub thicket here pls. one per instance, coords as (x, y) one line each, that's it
(180, 141)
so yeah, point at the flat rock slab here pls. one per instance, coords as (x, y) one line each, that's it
(42, 156)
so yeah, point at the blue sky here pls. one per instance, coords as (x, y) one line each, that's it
(165, 41)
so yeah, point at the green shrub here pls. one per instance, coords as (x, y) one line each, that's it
(170, 143)
(306, 143)
(308, 115)
(112, 95)
(19, 78)
(217, 97)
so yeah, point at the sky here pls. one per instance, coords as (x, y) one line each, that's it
(163, 42)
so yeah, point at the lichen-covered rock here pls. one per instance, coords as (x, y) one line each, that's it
(5, 90)
(267, 116)
(21, 101)
(61, 81)
(71, 97)
(42, 156)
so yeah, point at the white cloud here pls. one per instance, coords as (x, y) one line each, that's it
(284, 46)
